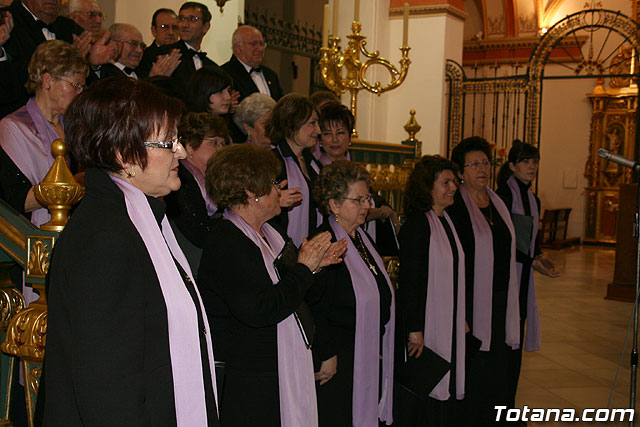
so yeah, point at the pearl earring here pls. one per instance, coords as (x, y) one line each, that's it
(257, 199)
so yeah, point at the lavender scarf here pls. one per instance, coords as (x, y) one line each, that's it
(366, 375)
(197, 175)
(182, 317)
(483, 274)
(297, 390)
(298, 226)
(438, 321)
(532, 341)
(26, 137)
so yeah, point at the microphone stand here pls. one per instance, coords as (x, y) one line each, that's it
(635, 167)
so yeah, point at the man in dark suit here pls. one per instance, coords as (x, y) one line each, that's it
(165, 30)
(244, 66)
(194, 22)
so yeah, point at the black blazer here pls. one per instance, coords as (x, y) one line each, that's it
(243, 83)
(106, 307)
(184, 71)
(25, 38)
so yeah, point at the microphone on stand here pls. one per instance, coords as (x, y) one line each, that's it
(617, 158)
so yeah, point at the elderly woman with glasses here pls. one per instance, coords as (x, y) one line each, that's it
(57, 74)
(354, 309)
(483, 223)
(253, 281)
(128, 340)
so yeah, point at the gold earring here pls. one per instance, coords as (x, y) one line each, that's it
(131, 174)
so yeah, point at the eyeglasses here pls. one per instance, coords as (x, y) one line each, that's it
(192, 19)
(362, 200)
(257, 43)
(171, 145)
(476, 165)
(133, 43)
(169, 26)
(77, 86)
(216, 141)
(93, 14)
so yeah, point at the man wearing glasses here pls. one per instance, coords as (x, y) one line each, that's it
(130, 40)
(194, 20)
(249, 76)
(87, 14)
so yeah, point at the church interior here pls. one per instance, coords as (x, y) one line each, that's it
(559, 74)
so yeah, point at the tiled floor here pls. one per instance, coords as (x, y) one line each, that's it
(582, 338)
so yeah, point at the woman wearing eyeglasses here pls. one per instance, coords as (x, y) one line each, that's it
(483, 223)
(190, 208)
(57, 74)
(354, 309)
(128, 339)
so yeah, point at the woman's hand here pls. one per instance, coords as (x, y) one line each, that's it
(416, 344)
(289, 197)
(545, 266)
(328, 369)
(312, 251)
(334, 253)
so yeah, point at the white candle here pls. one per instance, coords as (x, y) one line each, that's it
(334, 32)
(325, 27)
(405, 25)
(356, 12)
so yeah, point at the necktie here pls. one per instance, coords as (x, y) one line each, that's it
(201, 55)
(256, 70)
(41, 24)
(128, 70)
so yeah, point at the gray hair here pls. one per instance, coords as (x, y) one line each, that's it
(237, 39)
(118, 29)
(252, 108)
(76, 5)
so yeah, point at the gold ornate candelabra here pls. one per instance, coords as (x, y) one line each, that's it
(342, 70)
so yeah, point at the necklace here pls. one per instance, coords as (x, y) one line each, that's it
(52, 123)
(490, 217)
(363, 253)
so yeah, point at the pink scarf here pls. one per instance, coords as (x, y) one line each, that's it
(297, 390)
(438, 321)
(366, 361)
(483, 274)
(26, 138)
(197, 175)
(532, 340)
(298, 226)
(182, 317)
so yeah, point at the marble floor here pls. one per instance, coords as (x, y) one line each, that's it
(583, 336)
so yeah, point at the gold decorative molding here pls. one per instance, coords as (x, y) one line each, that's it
(26, 336)
(38, 256)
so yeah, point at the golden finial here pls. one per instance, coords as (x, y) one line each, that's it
(412, 127)
(59, 190)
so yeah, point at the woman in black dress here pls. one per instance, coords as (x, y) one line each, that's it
(431, 305)
(484, 226)
(293, 129)
(514, 187)
(354, 309)
(128, 340)
(269, 370)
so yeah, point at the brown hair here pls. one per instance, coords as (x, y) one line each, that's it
(194, 127)
(107, 124)
(239, 168)
(334, 181)
(420, 184)
(288, 116)
(57, 58)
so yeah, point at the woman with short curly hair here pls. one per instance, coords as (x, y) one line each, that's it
(353, 306)
(268, 368)
(57, 74)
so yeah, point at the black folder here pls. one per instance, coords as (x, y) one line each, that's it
(287, 258)
(420, 376)
(523, 225)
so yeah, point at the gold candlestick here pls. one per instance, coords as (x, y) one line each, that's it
(334, 61)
